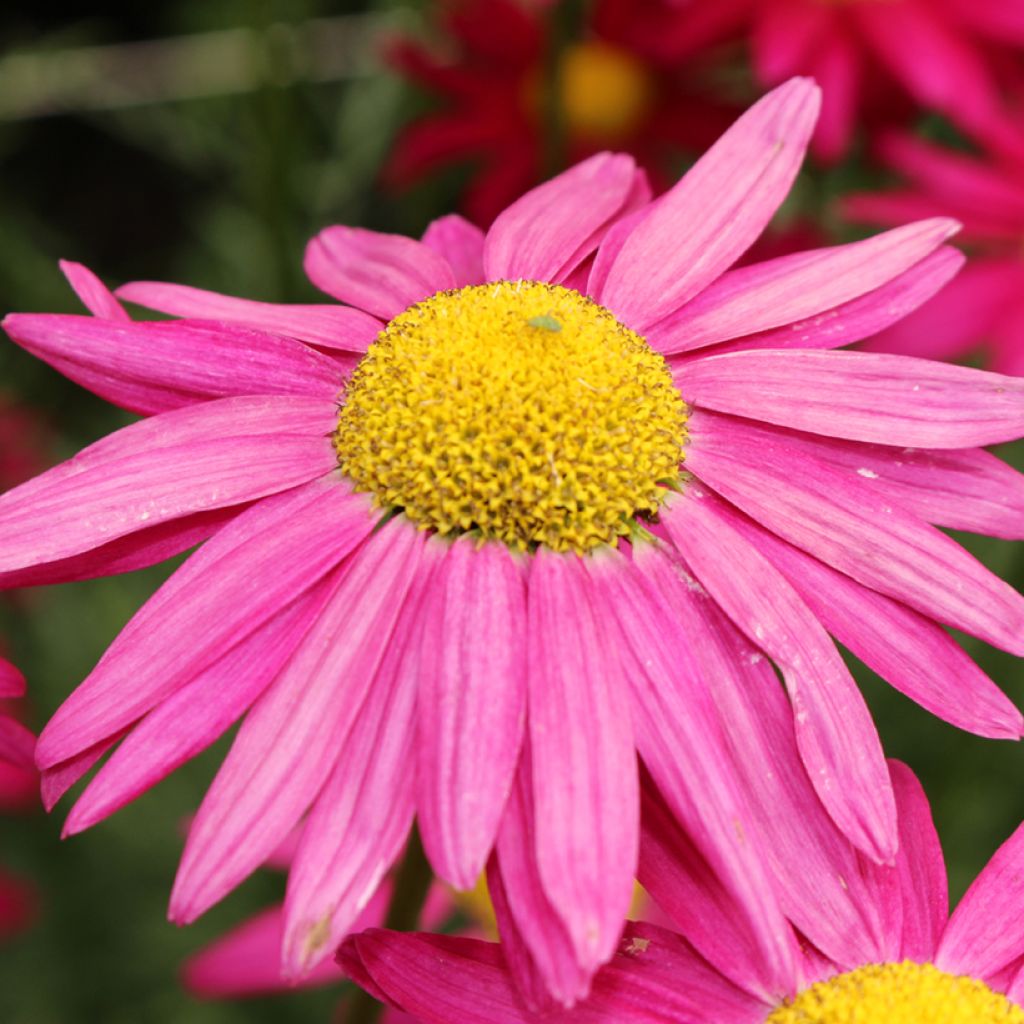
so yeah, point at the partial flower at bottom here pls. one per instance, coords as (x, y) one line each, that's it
(525, 507)
(894, 954)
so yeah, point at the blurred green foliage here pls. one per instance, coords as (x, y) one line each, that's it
(222, 192)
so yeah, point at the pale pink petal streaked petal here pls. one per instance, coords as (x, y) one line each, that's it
(837, 739)
(680, 741)
(461, 244)
(538, 947)
(472, 704)
(126, 554)
(803, 850)
(862, 396)
(901, 645)
(793, 288)
(95, 295)
(379, 273)
(921, 868)
(715, 212)
(16, 743)
(326, 326)
(986, 932)
(206, 456)
(362, 817)
(584, 779)
(964, 489)
(289, 743)
(850, 321)
(247, 962)
(837, 518)
(154, 367)
(12, 682)
(248, 572)
(197, 714)
(544, 234)
(655, 979)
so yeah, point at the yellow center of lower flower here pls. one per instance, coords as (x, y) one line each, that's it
(604, 92)
(904, 993)
(521, 411)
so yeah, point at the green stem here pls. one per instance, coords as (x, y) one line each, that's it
(412, 883)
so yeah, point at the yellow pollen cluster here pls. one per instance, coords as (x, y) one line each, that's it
(521, 411)
(604, 92)
(904, 993)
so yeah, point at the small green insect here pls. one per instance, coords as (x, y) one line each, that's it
(545, 322)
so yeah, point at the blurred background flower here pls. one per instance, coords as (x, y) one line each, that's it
(203, 141)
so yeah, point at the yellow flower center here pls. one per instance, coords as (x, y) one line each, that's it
(904, 993)
(604, 92)
(521, 411)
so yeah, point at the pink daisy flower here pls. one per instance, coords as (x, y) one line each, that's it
(870, 944)
(875, 60)
(985, 304)
(449, 578)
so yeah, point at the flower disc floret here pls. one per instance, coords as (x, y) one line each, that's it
(903, 993)
(519, 410)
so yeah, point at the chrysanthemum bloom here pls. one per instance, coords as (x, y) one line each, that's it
(882, 947)
(557, 434)
(875, 60)
(16, 771)
(985, 304)
(617, 87)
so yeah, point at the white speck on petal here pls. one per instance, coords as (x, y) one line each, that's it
(869, 473)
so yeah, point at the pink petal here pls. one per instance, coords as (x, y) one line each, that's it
(289, 743)
(960, 317)
(247, 962)
(197, 714)
(95, 295)
(680, 741)
(655, 979)
(932, 61)
(56, 781)
(986, 932)
(12, 682)
(853, 320)
(921, 868)
(190, 460)
(538, 948)
(836, 737)
(785, 33)
(134, 551)
(584, 762)
(547, 232)
(381, 274)
(902, 646)
(837, 65)
(247, 573)
(331, 327)
(966, 489)
(792, 288)
(16, 743)
(472, 705)
(839, 520)
(817, 876)
(155, 367)
(361, 819)
(715, 212)
(862, 396)
(461, 244)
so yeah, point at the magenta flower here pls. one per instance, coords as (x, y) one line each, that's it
(874, 60)
(881, 946)
(456, 582)
(985, 304)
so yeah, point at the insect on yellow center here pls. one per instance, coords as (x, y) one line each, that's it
(521, 411)
(903, 993)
